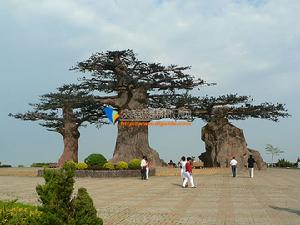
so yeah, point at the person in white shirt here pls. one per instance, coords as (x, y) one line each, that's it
(147, 169)
(143, 167)
(233, 164)
(182, 164)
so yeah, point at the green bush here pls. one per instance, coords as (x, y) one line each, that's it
(122, 165)
(84, 210)
(284, 163)
(134, 164)
(19, 214)
(95, 160)
(58, 207)
(81, 166)
(108, 166)
(70, 164)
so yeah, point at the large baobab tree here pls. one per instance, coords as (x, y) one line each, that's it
(222, 139)
(64, 112)
(126, 83)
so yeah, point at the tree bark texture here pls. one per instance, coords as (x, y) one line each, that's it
(224, 141)
(70, 136)
(132, 141)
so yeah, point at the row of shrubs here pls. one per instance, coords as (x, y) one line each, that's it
(99, 162)
(133, 165)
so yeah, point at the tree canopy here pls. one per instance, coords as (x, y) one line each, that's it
(70, 103)
(121, 80)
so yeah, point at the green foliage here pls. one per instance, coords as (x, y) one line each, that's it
(15, 204)
(108, 166)
(134, 164)
(4, 166)
(55, 194)
(122, 165)
(58, 207)
(70, 165)
(284, 163)
(95, 160)
(12, 213)
(84, 210)
(81, 166)
(40, 164)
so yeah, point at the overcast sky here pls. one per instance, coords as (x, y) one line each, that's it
(247, 47)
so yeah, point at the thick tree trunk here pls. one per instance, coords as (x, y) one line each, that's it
(71, 135)
(70, 150)
(132, 142)
(222, 142)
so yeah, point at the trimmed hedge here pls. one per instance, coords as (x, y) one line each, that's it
(95, 160)
(134, 164)
(108, 166)
(81, 166)
(121, 165)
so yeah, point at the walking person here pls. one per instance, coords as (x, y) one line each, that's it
(143, 167)
(147, 168)
(251, 162)
(233, 164)
(182, 164)
(188, 177)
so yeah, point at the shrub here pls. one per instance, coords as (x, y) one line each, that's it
(134, 164)
(70, 164)
(95, 160)
(19, 214)
(122, 165)
(284, 163)
(4, 166)
(81, 166)
(58, 207)
(84, 210)
(108, 166)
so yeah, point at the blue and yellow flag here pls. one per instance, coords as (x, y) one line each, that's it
(111, 114)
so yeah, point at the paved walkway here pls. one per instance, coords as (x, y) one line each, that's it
(272, 197)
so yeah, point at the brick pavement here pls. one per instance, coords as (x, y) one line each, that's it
(272, 197)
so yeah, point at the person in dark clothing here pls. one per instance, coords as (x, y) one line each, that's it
(251, 162)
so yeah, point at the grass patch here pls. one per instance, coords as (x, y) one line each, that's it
(15, 204)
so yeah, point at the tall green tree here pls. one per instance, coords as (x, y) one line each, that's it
(64, 112)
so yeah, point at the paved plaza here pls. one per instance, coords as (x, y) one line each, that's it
(272, 197)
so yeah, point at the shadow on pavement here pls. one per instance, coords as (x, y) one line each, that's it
(286, 209)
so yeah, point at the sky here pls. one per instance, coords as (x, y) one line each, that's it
(249, 47)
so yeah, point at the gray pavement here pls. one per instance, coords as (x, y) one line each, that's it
(272, 197)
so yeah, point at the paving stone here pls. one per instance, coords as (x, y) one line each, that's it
(272, 197)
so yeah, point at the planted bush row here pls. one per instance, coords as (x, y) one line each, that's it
(133, 165)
